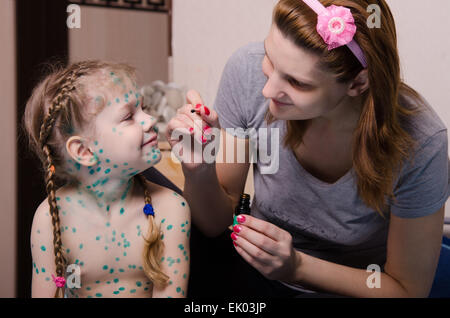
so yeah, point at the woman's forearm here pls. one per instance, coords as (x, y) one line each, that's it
(337, 279)
(211, 208)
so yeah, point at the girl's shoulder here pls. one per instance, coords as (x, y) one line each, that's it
(168, 204)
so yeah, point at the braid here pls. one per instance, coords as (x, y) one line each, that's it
(59, 102)
(154, 245)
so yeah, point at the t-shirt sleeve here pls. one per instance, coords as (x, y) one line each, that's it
(231, 94)
(423, 185)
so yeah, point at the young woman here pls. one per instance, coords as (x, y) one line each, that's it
(363, 163)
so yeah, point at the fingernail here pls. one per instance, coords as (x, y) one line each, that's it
(237, 228)
(191, 129)
(233, 236)
(198, 106)
(206, 127)
(207, 111)
(240, 219)
(234, 243)
(204, 140)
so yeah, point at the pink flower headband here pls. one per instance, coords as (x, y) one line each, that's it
(337, 27)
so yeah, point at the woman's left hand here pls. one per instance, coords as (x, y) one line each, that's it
(266, 247)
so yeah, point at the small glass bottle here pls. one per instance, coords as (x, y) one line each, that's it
(243, 207)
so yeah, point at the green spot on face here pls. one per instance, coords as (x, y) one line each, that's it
(107, 171)
(105, 267)
(97, 238)
(43, 248)
(122, 210)
(169, 227)
(81, 246)
(138, 284)
(98, 295)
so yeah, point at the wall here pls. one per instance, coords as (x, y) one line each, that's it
(207, 32)
(138, 38)
(8, 147)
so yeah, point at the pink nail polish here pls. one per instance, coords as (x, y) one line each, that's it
(191, 129)
(234, 243)
(240, 219)
(207, 111)
(237, 228)
(198, 106)
(234, 236)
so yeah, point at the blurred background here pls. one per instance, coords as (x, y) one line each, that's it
(175, 45)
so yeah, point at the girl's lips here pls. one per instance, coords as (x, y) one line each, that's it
(280, 103)
(152, 141)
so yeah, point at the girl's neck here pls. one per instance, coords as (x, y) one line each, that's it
(107, 194)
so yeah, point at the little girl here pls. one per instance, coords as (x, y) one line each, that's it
(107, 231)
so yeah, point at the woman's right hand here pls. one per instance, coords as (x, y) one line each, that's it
(187, 128)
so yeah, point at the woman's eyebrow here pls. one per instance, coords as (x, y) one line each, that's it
(287, 76)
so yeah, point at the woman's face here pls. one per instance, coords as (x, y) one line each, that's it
(297, 88)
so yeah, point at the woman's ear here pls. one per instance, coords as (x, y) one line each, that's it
(359, 85)
(77, 149)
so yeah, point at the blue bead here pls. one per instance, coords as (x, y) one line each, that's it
(148, 210)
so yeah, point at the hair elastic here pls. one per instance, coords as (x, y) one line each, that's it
(60, 282)
(148, 210)
(336, 26)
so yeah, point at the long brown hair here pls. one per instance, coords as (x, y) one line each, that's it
(57, 108)
(380, 144)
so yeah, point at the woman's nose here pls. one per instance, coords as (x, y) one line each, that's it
(273, 88)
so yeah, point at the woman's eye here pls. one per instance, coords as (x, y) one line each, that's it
(297, 84)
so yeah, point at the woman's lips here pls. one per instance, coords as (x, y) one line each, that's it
(280, 104)
(152, 141)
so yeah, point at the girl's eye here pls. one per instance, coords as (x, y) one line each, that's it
(129, 117)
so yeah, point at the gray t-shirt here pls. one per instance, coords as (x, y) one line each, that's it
(330, 221)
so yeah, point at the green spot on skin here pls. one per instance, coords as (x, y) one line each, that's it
(122, 210)
(98, 295)
(183, 204)
(132, 291)
(81, 246)
(43, 248)
(68, 199)
(169, 227)
(116, 280)
(105, 267)
(138, 284)
(98, 238)
(107, 171)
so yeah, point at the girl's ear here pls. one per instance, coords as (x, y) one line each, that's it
(359, 85)
(77, 149)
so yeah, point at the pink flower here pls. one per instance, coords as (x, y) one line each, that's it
(336, 26)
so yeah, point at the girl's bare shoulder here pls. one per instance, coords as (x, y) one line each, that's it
(168, 202)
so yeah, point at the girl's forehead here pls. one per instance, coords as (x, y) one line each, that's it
(111, 85)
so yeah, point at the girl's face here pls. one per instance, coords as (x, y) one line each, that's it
(125, 137)
(297, 88)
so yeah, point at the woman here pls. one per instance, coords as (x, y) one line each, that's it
(363, 163)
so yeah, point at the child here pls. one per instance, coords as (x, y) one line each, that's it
(88, 237)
